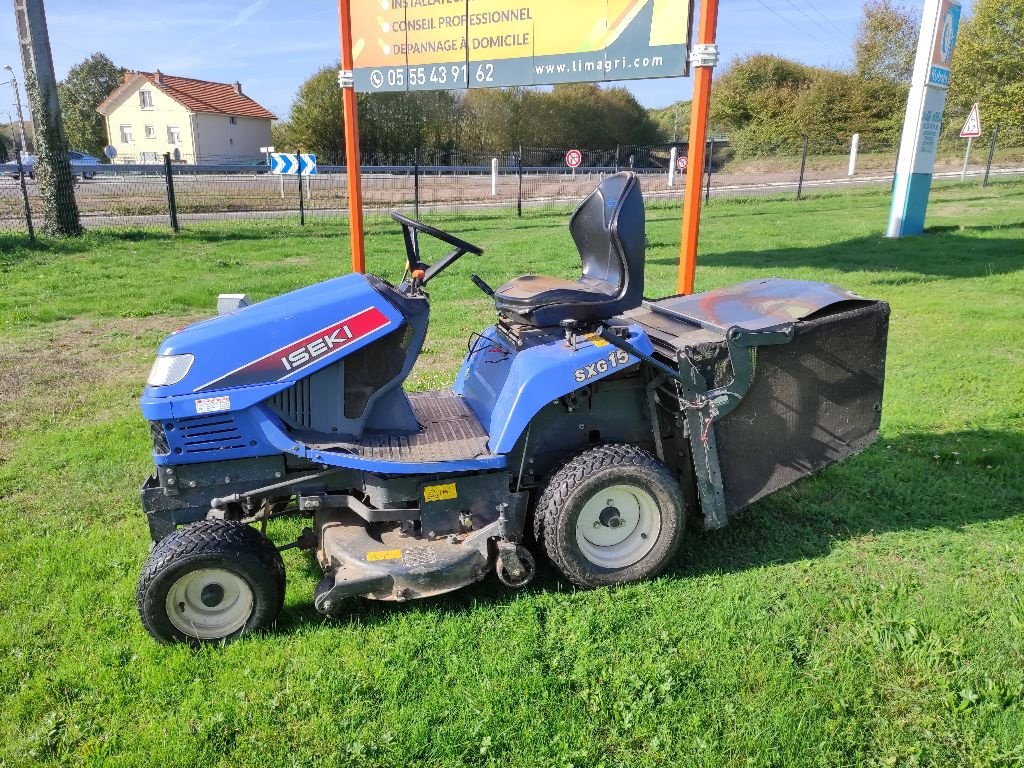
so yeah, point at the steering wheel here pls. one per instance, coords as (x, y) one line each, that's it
(419, 272)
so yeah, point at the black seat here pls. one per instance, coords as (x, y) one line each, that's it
(608, 229)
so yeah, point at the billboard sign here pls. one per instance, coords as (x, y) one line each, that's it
(942, 46)
(424, 45)
(926, 104)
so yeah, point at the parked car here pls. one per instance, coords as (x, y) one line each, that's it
(28, 162)
(80, 158)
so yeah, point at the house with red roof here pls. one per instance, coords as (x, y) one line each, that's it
(196, 121)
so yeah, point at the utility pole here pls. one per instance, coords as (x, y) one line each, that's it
(53, 168)
(17, 101)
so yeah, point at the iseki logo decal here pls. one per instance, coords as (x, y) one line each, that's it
(283, 362)
(317, 348)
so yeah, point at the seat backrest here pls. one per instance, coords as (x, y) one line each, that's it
(608, 229)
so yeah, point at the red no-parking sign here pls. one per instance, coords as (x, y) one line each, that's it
(573, 158)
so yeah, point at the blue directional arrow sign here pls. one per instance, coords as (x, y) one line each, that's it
(284, 164)
(291, 164)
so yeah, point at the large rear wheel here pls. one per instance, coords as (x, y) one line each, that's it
(612, 515)
(210, 581)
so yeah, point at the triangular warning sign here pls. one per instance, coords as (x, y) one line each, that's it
(972, 128)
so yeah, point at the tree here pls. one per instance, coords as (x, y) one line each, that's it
(87, 84)
(673, 121)
(503, 118)
(55, 182)
(755, 100)
(836, 105)
(486, 120)
(988, 65)
(281, 136)
(391, 125)
(768, 105)
(315, 124)
(886, 41)
(623, 120)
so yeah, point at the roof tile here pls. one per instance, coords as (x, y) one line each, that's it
(206, 96)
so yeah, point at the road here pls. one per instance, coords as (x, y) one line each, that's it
(141, 201)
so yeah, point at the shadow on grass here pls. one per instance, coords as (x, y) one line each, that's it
(943, 252)
(914, 482)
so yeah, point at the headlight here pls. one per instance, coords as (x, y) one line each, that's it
(169, 369)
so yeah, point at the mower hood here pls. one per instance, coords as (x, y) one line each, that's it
(278, 340)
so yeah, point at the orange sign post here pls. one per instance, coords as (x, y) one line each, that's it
(402, 46)
(351, 118)
(704, 58)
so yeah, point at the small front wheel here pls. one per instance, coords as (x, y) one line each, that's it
(614, 514)
(210, 581)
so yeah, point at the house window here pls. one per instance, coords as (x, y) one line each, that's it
(146, 99)
(149, 157)
(150, 131)
(233, 120)
(126, 134)
(173, 134)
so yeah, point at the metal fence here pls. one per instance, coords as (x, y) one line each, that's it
(178, 193)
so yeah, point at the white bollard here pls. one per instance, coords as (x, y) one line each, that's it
(854, 146)
(672, 166)
(494, 176)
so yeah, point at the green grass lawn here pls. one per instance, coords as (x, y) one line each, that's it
(872, 615)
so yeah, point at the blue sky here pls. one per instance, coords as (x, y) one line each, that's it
(271, 46)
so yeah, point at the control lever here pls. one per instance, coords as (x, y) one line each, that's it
(479, 283)
(571, 327)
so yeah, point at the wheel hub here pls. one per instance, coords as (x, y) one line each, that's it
(618, 526)
(209, 603)
(212, 595)
(609, 516)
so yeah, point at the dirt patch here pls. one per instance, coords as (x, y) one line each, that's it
(51, 372)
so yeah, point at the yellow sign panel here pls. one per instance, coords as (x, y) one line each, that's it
(447, 44)
(440, 492)
(384, 554)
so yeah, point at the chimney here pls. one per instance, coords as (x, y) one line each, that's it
(128, 75)
(238, 88)
(159, 77)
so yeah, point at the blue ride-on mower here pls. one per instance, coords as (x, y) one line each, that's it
(587, 423)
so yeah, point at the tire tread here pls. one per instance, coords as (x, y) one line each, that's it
(220, 538)
(562, 483)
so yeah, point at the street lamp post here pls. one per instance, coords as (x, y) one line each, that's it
(24, 188)
(17, 100)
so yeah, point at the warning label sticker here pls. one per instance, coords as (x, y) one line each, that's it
(439, 492)
(213, 404)
(384, 554)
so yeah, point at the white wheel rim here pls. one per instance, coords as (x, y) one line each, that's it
(209, 603)
(618, 526)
